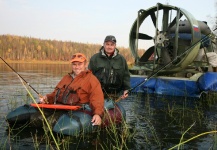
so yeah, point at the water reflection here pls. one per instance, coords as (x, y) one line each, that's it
(161, 121)
(154, 122)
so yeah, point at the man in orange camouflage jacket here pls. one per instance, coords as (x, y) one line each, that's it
(79, 87)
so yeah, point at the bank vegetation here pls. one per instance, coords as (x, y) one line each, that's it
(28, 49)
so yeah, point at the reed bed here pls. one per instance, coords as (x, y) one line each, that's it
(142, 133)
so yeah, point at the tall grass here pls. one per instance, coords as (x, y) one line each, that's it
(179, 117)
(57, 141)
(207, 101)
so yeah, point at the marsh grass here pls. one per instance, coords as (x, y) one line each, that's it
(143, 134)
(117, 135)
(183, 118)
(206, 102)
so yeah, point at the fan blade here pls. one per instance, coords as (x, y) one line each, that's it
(174, 21)
(147, 54)
(153, 18)
(145, 36)
(142, 36)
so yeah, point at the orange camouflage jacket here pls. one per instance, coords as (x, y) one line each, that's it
(84, 88)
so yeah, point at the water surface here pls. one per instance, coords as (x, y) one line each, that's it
(154, 122)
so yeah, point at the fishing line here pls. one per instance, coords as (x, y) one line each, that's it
(22, 79)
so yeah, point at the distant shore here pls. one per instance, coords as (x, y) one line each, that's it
(44, 62)
(35, 61)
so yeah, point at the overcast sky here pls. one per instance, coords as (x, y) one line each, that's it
(86, 21)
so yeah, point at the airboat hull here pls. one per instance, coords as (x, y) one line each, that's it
(177, 86)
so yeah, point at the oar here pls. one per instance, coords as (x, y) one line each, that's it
(22, 78)
(161, 68)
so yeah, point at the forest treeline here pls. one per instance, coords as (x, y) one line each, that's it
(26, 48)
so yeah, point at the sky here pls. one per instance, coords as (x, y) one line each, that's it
(86, 21)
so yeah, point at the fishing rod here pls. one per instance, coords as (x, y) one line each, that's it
(22, 78)
(161, 68)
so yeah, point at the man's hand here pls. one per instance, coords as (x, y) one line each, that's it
(96, 120)
(42, 99)
(125, 95)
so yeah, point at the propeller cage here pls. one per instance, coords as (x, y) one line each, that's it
(175, 40)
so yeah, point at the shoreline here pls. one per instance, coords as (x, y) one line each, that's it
(43, 62)
(35, 61)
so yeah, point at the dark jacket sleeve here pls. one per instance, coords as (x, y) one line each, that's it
(126, 80)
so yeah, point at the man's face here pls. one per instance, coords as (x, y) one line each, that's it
(78, 67)
(109, 47)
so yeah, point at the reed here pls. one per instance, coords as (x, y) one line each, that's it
(206, 102)
(117, 133)
(119, 137)
(194, 137)
(44, 118)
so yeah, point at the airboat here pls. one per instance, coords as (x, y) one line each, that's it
(181, 58)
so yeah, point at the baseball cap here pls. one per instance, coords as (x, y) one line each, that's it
(78, 57)
(110, 38)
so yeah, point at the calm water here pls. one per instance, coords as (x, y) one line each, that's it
(154, 122)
